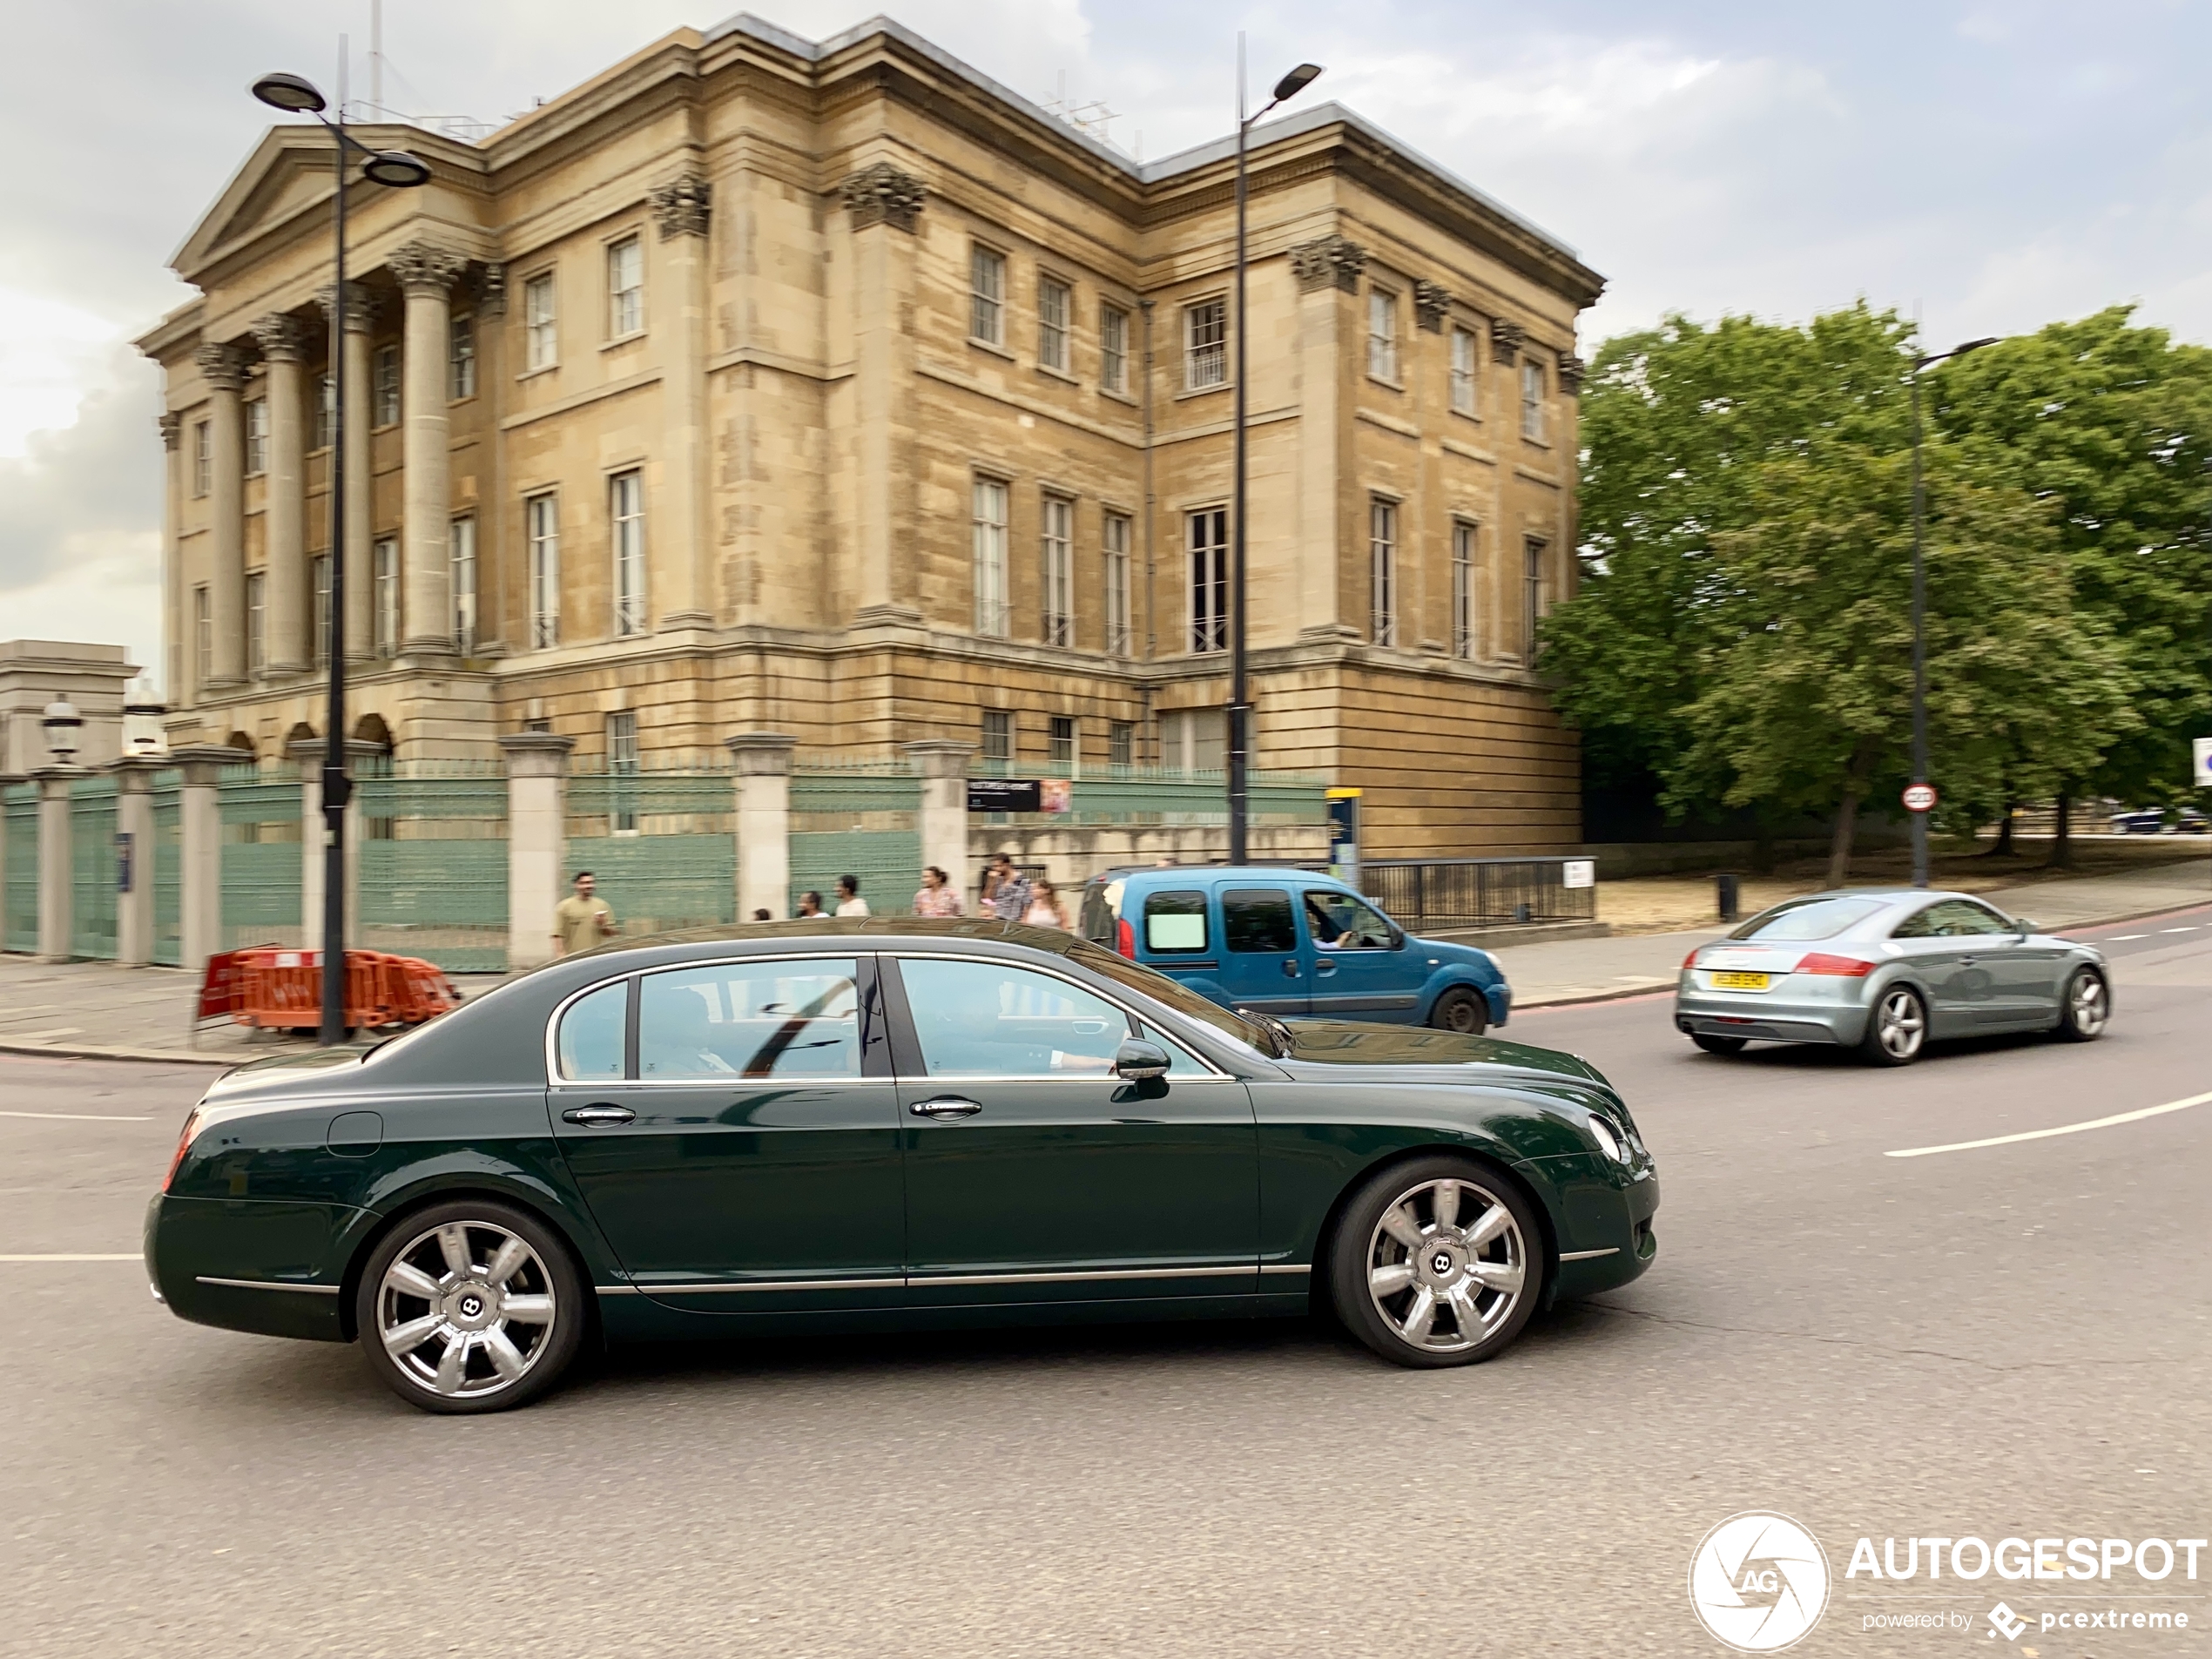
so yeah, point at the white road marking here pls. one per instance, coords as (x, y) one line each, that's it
(2178, 930)
(79, 1117)
(135, 1257)
(2119, 938)
(2063, 1128)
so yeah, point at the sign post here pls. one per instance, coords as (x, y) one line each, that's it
(1344, 835)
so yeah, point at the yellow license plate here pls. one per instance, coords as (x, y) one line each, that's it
(1741, 982)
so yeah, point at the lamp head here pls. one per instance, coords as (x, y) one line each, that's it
(62, 724)
(395, 168)
(1973, 345)
(293, 94)
(1297, 81)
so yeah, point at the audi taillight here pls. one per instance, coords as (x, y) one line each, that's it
(184, 1145)
(1125, 939)
(1838, 966)
(1691, 960)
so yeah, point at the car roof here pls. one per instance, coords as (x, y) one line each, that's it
(1187, 872)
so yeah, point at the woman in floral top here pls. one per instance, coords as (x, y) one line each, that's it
(938, 896)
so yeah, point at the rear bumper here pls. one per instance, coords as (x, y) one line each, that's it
(261, 1265)
(1768, 1017)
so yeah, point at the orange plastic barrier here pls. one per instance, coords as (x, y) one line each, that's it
(282, 989)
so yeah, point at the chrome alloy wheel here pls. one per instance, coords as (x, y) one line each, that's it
(2086, 1004)
(466, 1309)
(1899, 1025)
(1446, 1265)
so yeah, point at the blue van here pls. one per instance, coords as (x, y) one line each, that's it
(1291, 943)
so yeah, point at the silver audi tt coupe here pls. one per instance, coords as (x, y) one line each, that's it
(1886, 971)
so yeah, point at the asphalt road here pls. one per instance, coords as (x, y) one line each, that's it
(2009, 1341)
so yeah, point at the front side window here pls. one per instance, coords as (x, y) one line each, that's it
(986, 295)
(1175, 923)
(594, 1035)
(625, 288)
(994, 614)
(1117, 543)
(1338, 921)
(1205, 345)
(1532, 400)
(1463, 591)
(461, 359)
(384, 386)
(753, 1019)
(1113, 348)
(384, 597)
(257, 623)
(1055, 301)
(257, 436)
(541, 523)
(1209, 541)
(994, 1020)
(463, 542)
(1464, 381)
(1382, 334)
(627, 510)
(1059, 571)
(1382, 562)
(541, 342)
(1951, 919)
(1258, 919)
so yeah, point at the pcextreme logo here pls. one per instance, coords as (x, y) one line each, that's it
(1759, 1583)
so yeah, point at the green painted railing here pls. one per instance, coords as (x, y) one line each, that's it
(434, 863)
(856, 818)
(92, 872)
(259, 807)
(19, 881)
(164, 865)
(661, 845)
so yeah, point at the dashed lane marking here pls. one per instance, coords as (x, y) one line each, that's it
(2063, 1128)
(134, 1256)
(79, 1117)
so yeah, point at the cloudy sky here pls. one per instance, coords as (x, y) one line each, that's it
(1995, 163)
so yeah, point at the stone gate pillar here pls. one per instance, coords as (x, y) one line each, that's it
(200, 850)
(943, 764)
(763, 821)
(537, 769)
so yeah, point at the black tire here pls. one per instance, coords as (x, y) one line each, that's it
(474, 1309)
(1896, 1028)
(1458, 1009)
(1712, 1044)
(1513, 1253)
(2086, 1009)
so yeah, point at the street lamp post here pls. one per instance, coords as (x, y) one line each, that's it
(1239, 698)
(398, 170)
(1920, 609)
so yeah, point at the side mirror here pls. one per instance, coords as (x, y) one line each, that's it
(2022, 926)
(1139, 1062)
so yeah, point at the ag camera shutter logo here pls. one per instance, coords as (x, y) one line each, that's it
(1758, 1583)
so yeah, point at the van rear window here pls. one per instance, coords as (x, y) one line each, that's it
(1175, 923)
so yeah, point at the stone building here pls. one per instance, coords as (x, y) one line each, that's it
(832, 389)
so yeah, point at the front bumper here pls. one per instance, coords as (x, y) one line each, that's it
(1606, 1236)
(1786, 1014)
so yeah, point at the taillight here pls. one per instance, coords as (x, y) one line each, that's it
(1691, 960)
(184, 1145)
(1125, 939)
(1839, 967)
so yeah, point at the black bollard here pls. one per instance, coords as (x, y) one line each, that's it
(1724, 891)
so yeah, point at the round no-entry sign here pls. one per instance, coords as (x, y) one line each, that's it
(1919, 798)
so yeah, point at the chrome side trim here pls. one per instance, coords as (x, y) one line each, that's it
(936, 1280)
(1589, 1255)
(722, 1289)
(268, 1285)
(617, 1289)
(1288, 1267)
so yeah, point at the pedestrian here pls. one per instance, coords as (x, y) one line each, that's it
(760, 915)
(810, 903)
(1006, 890)
(1045, 909)
(849, 901)
(938, 896)
(581, 919)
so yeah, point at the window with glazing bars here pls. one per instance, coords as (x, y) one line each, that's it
(540, 340)
(1120, 743)
(326, 411)
(1382, 334)
(622, 766)
(1382, 566)
(1532, 602)
(461, 359)
(625, 288)
(461, 541)
(1464, 363)
(384, 596)
(1054, 304)
(1208, 538)
(1113, 348)
(1059, 531)
(627, 510)
(1463, 591)
(257, 436)
(986, 294)
(542, 523)
(998, 734)
(202, 458)
(1205, 345)
(319, 578)
(384, 384)
(1532, 400)
(1064, 752)
(1116, 541)
(993, 614)
(257, 623)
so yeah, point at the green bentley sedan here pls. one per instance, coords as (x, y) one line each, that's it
(862, 1124)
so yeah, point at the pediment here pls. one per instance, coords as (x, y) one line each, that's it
(287, 174)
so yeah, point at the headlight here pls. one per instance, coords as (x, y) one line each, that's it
(1608, 1141)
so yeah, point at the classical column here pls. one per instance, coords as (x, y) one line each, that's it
(175, 629)
(200, 850)
(425, 274)
(57, 896)
(537, 766)
(134, 819)
(282, 341)
(686, 591)
(223, 370)
(1326, 270)
(763, 821)
(885, 205)
(943, 764)
(352, 337)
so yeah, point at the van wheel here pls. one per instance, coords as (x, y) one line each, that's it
(1459, 1009)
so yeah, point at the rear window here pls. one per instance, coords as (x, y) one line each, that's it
(1175, 923)
(1805, 918)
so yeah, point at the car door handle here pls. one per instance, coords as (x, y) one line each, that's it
(945, 1108)
(1290, 968)
(1965, 962)
(600, 1117)
(1324, 966)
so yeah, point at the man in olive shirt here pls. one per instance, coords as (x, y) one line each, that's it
(581, 922)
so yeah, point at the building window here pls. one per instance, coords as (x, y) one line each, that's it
(203, 638)
(1194, 740)
(202, 458)
(384, 596)
(1463, 591)
(986, 295)
(622, 762)
(993, 614)
(1209, 543)
(257, 623)
(318, 580)
(257, 436)
(541, 342)
(1532, 401)
(998, 735)
(542, 523)
(626, 509)
(1059, 571)
(326, 411)
(1120, 743)
(1063, 741)
(1054, 304)
(1117, 584)
(384, 384)
(1113, 348)
(461, 359)
(463, 542)
(625, 288)
(1382, 335)
(1532, 603)
(1205, 345)
(1463, 370)
(1382, 569)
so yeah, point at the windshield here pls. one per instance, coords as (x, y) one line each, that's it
(1162, 989)
(1804, 919)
